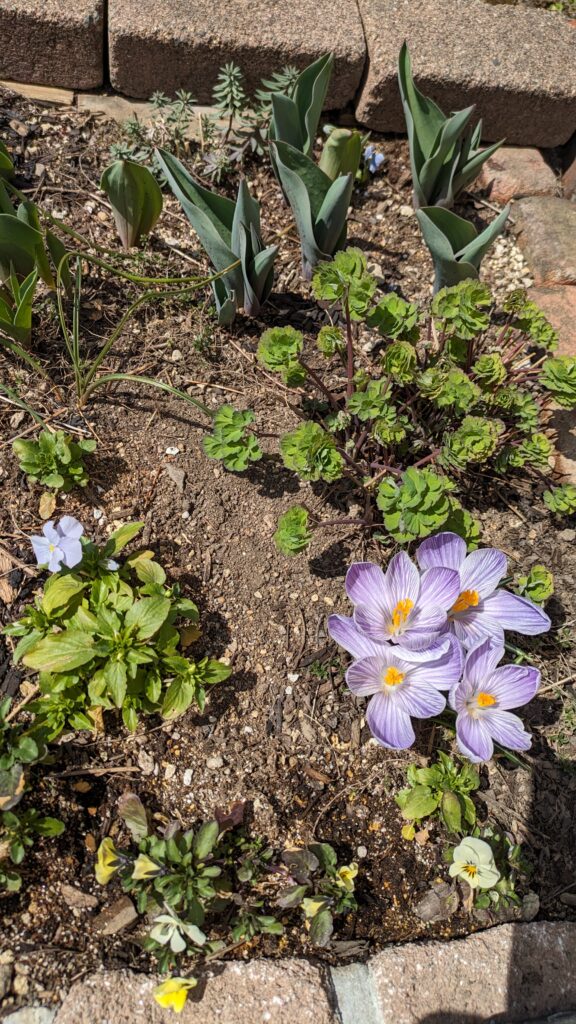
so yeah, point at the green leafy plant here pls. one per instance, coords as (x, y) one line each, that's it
(16, 303)
(6, 163)
(454, 243)
(442, 790)
(18, 750)
(407, 404)
(559, 377)
(445, 154)
(230, 233)
(293, 535)
(54, 460)
(17, 835)
(169, 127)
(320, 205)
(561, 500)
(104, 635)
(218, 880)
(231, 441)
(537, 585)
(295, 117)
(341, 153)
(135, 198)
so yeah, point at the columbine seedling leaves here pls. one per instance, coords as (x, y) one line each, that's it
(231, 441)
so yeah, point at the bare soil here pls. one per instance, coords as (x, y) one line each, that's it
(283, 733)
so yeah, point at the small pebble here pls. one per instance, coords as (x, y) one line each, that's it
(361, 852)
(176, 355)
(215, 762)
(406, 211)
(173, 450)
(187, 777)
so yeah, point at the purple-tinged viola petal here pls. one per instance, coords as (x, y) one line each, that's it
(482, 570)
(516, 613)
(439, 587)
(402, 580)
(473, 739)
(481, 662)
(344, 631)
(41, 549)
(365, 583)
(508, 730)
(446, 549)
(50, 532)
(418, 699)
(444, 672)
(70, 552)
(388, 723)
(70, 527)
(364, 677)
(514, 685)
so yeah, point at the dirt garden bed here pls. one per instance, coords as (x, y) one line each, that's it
(283, 733)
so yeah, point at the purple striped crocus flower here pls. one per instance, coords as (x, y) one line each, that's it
(480, 610)
(402, 684)
(401, 605)
(483, 698)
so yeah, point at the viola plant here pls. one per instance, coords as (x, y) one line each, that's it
(19, 752)
(492, 865)
(106, 634)
(442, 790)
(442, 396)
(210, 888)
(54, 460)
(408, 636)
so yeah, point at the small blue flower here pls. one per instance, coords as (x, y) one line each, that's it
(373, 159)
(60, 545)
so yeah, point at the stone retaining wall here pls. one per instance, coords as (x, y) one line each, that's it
(517, 65)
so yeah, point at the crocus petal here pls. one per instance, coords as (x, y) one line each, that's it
(424, 626)
(514, 685)
(388, 723)
(508, 730)
(374, 621)
(482, 570)
(365, 584)
(516, 613)
(344, 631)
(445, 549)
(474, 626)
(417, 697)
(481, 662)
(442, 673)
(473, 738)
(70, 527)
(402, 579)
(41, 549)
(70, 552)
(435, 649)
(439, 587)
(364, 677)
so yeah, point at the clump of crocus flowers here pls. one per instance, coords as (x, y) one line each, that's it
(427, 631)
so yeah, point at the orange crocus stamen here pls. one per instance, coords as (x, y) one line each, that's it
(393, 676)
(467, 599)
(485, 700)
(401, 613)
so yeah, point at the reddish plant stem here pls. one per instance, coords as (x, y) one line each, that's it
(349, 350)
(428, 458)
(319, 383)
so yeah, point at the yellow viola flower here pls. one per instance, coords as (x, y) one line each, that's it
(173, 993)
(145, 868)
(311, 906)
(107, 861)
(346, 876)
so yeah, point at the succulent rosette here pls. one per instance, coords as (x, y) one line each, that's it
(401, 605)
(481, 609)
(402, 684)
(483, 699)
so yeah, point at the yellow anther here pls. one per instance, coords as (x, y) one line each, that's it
(393, 676)
(467, 599)
(401, 613)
